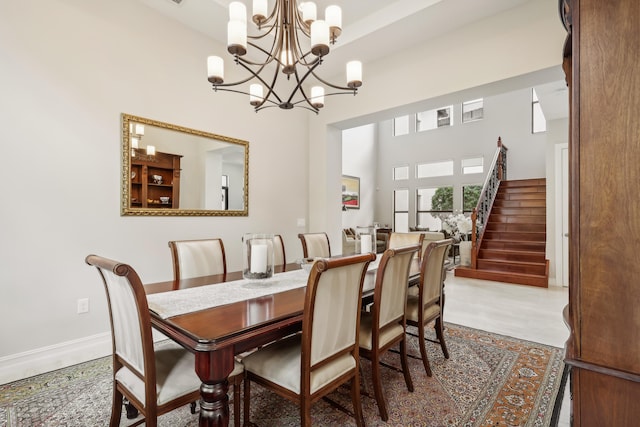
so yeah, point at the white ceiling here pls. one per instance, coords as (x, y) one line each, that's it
(372, 29)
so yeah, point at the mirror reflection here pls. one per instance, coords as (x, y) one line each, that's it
(173, 170)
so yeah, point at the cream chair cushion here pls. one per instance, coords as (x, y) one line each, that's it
(413, 307)
(175, 374)
(280, 363)
(386, 335)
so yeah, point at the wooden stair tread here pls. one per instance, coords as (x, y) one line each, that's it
(503, 276)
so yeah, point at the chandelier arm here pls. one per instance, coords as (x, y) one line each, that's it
(299, 85)
(270, 91)
(345, 88)
(241, 92)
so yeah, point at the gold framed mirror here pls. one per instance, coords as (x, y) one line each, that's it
(170, 170)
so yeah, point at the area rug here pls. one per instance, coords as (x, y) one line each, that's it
(489, 380)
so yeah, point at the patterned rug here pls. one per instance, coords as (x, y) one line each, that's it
(489, 380)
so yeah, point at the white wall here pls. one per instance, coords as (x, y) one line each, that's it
(69, 69)
(359, 158)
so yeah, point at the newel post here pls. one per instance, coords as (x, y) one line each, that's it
(474, 231)
(500, 160)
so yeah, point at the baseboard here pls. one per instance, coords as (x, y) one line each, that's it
(38, 361)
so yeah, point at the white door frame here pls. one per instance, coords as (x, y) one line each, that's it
(562, 213)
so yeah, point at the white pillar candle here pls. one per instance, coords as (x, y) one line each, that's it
(259, 258)
(365, 243)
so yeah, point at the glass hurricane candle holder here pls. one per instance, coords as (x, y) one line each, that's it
(365, 240)
(257, 256)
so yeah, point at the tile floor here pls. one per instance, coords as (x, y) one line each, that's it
(525, 312)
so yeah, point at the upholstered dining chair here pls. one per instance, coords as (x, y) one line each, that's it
(154, 379)
(397, 240)
(279, 256)
(427, 305)
(193, 258)
(384, 325)
(307, 366)
(315, 245)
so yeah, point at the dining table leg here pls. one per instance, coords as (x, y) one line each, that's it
(213, 368)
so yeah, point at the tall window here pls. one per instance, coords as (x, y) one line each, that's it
(433, 204)
(473, 110)
(401, 210)
(430, 170)
(433, 119)
(400, 173)
(538, 122)
(401, 125)
(470, 196)
(472, 165)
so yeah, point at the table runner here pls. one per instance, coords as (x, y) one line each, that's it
(182, 301)
(174, 303)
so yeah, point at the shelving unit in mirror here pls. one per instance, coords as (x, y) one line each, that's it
(155, 180)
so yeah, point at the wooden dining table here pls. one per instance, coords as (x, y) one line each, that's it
(217, 334)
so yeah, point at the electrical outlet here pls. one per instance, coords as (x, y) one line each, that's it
(83, 305)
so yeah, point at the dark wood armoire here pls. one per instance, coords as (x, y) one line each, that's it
(602, 66)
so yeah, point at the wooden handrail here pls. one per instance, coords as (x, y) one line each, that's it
(497, 173)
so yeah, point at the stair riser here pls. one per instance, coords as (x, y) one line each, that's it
(521, 196)
(505, 226)
(522, 219)
(524, 183)
(519, 211)
(520, 236)
(513, 246)
(532, 203)
(512, 268)
(515, 190)
(486, 254)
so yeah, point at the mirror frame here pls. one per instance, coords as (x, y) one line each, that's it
(127, 210)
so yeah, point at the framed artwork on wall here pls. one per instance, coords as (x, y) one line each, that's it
(350, 192)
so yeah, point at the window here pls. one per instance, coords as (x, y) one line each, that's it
(401, 210)
(433, 204)
(400, 173)
(472, 165)
(401, 125)
(472, 110)
(433, 119)
(538, 122)
(470, 196)
(429, 170)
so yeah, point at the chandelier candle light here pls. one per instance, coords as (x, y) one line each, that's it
(297, 44)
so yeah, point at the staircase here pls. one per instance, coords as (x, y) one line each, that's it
(513, 245)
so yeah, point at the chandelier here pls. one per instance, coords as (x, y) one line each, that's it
(290, 42)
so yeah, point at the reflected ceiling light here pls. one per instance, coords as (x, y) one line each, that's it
(296, 45)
